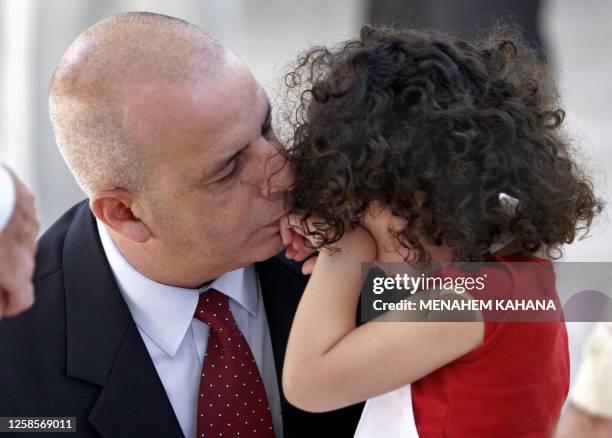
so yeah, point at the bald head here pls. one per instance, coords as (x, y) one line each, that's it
(97, 76)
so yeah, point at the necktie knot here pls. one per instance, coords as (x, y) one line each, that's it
(213, 309)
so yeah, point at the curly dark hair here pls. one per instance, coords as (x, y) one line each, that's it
(380, 117)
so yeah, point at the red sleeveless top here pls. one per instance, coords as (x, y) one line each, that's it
(514, 384)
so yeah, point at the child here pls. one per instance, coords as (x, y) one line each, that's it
(408, 146)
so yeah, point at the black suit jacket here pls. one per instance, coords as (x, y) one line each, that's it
(78, 353)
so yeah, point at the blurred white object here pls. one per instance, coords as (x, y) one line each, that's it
(7, 197)
(593, 387)
(508, 203)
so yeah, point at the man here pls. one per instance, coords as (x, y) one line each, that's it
(18, 231)
(169, 135)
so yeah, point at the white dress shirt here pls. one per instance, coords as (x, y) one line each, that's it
(7, 197)
(176, 341)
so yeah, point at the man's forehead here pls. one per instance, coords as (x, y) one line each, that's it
(183, 108)
(212, 121)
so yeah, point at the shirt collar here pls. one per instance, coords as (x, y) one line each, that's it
(165, 312)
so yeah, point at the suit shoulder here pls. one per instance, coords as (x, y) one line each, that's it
(51, 244)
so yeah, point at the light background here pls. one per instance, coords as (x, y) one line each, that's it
(266, 34)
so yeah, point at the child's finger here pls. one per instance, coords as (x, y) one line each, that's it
(290, 253)
(298, 243)
(285, 230)
(303, 251)
(309, 265)
(295, 223)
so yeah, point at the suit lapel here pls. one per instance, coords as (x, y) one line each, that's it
(133, 392)
(103, 343)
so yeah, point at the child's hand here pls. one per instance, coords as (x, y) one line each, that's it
(296, 249)
(355, 242)
(378, 220)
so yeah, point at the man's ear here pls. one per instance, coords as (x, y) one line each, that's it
(114, 208)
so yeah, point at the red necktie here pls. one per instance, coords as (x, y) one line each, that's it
(232, 400)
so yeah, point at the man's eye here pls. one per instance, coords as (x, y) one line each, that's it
(233, 171)
(266, 129)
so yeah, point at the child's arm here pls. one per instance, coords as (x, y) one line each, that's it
(329, 363)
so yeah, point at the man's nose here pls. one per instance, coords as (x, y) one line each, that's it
(277, 173)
